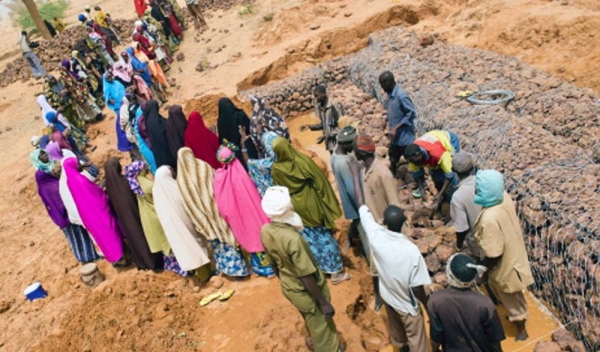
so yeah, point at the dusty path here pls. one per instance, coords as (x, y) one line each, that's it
(145, 311)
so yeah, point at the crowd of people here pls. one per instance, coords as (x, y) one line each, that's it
(241, 199)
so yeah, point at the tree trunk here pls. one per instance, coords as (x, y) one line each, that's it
(37, 18)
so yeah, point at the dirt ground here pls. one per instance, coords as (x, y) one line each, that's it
(142, 311)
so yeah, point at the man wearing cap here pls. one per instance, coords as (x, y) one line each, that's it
(463, 211)
(105, 22)
(302, 282)
(498, 232)
(400, 118)
(403, 276)
(328, 113)
(30, 57)
(340, 165)
(87, 13)
(380, 191)
(434, 150)
(460, 318)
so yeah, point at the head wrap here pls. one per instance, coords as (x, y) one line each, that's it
(35, 141)
(365, 143)
(54, 151)
(34, 157)
(225, 155)
(462, 162)
(138, 23)
(131, 173)
(412, 150)
(461, 271)
(81, 18)
(87, 7)
(347, 135)
(52, 118)
(267, 140)
(489, 188)
(277, 205)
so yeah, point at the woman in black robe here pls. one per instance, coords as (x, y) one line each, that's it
(156, 126)
(230, 118)
(125, 206)
(176, 126)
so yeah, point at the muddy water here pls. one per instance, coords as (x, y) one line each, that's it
(540, 324)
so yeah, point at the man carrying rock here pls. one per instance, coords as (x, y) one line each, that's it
(329, 113)
(400, 118)
(460, 318)
(434, 150)
(302, 282)
(31, 57)
(403, 276)
(379, 188)
(463, 211)
(498, 232)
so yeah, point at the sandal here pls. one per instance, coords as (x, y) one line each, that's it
(340, 279)
(207, 299)
(225, 296)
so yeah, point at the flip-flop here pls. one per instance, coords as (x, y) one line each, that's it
(207, 299)
(225, 296)
(417, 193)
(346, 277)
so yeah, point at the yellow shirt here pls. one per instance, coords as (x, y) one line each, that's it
(498, 232)
(100, 18)
(445, 162)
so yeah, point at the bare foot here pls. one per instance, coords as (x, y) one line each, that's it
(522, 336)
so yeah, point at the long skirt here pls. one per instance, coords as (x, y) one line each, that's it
(123, 144)
(171, 264)
(88, 111)
(228, 260)
(78, 138)
(325, 249)
(70, 112)
(81, 244)
(260, 264)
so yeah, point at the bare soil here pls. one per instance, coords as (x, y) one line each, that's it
(144, 311)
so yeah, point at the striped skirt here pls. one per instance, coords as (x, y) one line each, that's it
(81, 244)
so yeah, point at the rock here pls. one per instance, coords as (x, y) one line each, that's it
(241, 25)
(440, 278)
(563, 338)
(426, 41)
(433, 263)
(5, 306)
(547, 346)
(8, 129)
(180, 57)
(226, 31)
(347, 14)
(314, 26)
(444, 252)
(31, 243)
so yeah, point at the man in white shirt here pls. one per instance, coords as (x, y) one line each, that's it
(31, 57)
(403, 276)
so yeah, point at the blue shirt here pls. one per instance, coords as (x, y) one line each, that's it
(345, 183)
(400, 109)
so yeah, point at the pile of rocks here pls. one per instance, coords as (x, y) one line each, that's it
(542, 142)
(51, 52)
(213, 5)
(562, 341)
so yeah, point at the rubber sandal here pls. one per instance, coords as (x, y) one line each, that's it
(346, 277)
(225, 296)
(207, 299)
(417, 193)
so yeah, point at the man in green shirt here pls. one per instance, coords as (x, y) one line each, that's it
(302, 283)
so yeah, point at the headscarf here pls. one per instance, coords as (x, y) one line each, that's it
(123, 70)
(113, 90)
(131, 173)
(277, 205)
(45, 106)
(48, 190)
(195, 180)
(461, 271)
(312, 195)
(270, 120)
(187, 247)
(238, 201)
(62, 141)
(94, 211)
(230, 118)
(365, 143)
(157, 131)
(66, 64)
(52, 118)
(140, 67)
(34, 157)
(176, 126)
(489, 188)
(125, 205)
(202, 141)
(142, 88)
(225, 155)
(54, 152)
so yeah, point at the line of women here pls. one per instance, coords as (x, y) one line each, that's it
(191, 205)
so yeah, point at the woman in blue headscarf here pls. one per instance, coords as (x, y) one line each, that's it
(77, 139)
(260, 169)
(114, 91)
(140, 67)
